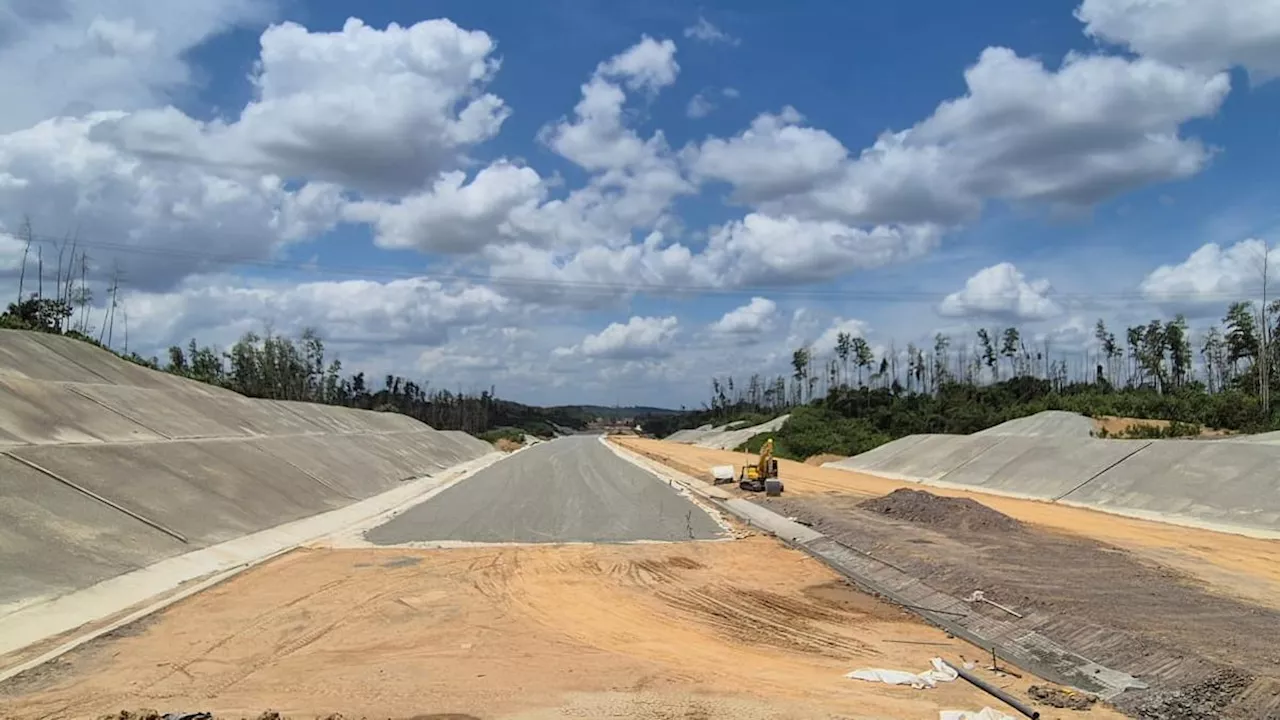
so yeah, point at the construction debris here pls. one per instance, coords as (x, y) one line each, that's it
(979, 596)
(1065, 698)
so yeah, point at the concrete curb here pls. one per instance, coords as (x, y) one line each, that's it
(1015, 641)
(205, 567)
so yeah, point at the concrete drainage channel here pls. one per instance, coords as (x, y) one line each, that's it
(1012, 640)
(119, 601)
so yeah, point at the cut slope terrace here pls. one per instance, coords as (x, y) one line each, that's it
(107, 467)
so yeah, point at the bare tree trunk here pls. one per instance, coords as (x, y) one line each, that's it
(22, 272)
(1265, 356)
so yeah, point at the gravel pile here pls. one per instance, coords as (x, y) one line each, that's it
(925, 508)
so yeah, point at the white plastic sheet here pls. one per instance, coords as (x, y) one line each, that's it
(985, 713)
(941, 672)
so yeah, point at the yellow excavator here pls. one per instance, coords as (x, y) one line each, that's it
(763, 476)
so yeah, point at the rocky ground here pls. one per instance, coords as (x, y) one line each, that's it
(1205, 655)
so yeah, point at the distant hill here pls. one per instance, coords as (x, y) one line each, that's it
(613, 413)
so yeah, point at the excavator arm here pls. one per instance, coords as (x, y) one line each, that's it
(766, 454)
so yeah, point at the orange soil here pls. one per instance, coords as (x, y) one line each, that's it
(1237, 565)
(1116, 425)
(745, 629)
(506, 445)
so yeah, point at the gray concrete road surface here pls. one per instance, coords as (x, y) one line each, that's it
(569, 490)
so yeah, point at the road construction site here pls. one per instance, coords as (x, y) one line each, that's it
(175, 546)
(1155, 559)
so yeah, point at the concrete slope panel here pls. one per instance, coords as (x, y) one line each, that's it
(424, 448)
(465, 446)
(54, 539)
(41, 413)
(376, 421)
(405, 451)
(21, 354)
(450, 448)
(936, 456)
(102, 363)
(474, 446)
(209, 492)
(397, 422)
(731, 439)
(1229, 484)
(1050, 423)
(175, 415)
(877, 457)
(442, 447)
(689, 435)
(1045, 468)
(338, 460)
(329, 417)
(266, 417)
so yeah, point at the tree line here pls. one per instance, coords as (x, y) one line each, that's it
(853, 397)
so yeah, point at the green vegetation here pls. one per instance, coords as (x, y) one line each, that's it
(515, 435)
(815, 430)
(852, 401)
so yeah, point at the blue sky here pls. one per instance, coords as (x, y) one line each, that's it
(743, 178)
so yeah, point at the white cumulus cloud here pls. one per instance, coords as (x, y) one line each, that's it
(154, 220)
(377, 110)
(73, 57)
(763, 249)
(758, 316)
(1213, 274)
(637, 339)
(648, 65)
(1003, 292)
(217, 310)
(774, 157)
(1090, 130)
(453, 217)
(1198, 33)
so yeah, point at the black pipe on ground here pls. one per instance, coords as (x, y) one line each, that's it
(994, 691)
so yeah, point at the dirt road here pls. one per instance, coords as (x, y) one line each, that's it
(744, 629)
(1231, 564)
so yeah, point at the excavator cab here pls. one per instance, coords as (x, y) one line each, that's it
(763, 476)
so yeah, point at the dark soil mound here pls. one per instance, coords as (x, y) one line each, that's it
(926, 508)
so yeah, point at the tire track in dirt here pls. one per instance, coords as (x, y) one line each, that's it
(744, 616)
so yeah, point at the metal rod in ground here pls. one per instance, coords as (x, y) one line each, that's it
(994, 691)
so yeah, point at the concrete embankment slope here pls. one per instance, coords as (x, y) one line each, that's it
(107, 467)
(726, 437)
(731, 439)
(1230, 486)
(1050, 423)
